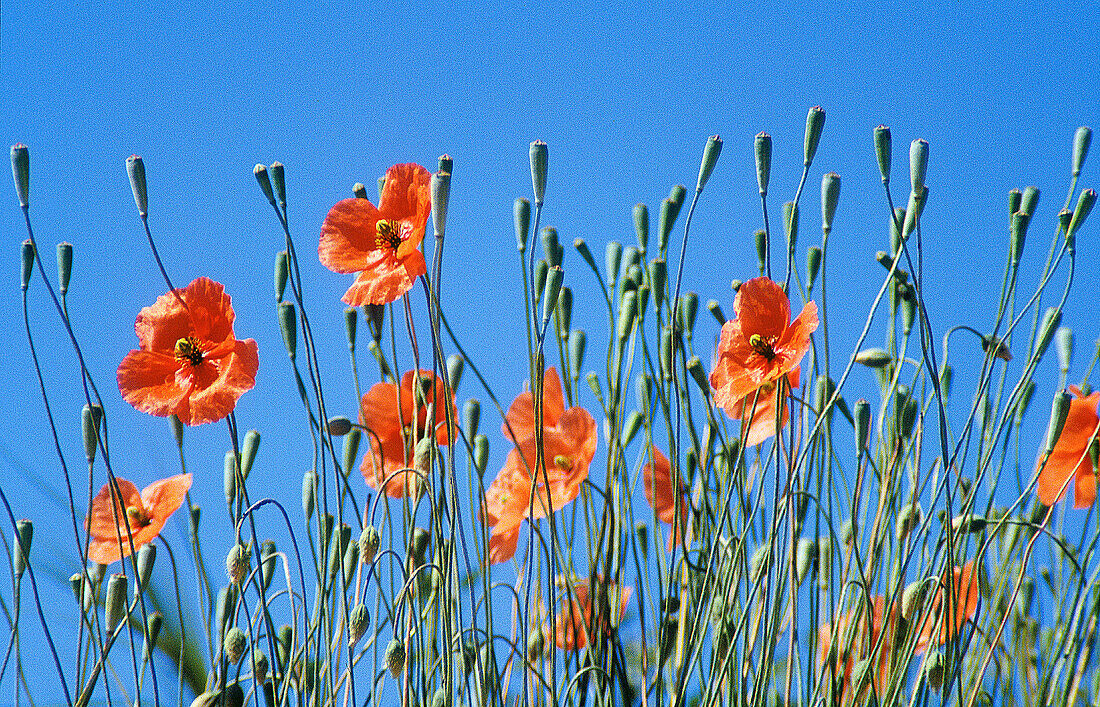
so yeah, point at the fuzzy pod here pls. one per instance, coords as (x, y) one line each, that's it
(441, 197)
(115, 602)
(658, 278)
(1052, 317)
(1081, 139)
(815, 124)
(90, 417)
(1028, 201)
(288, 325)
(762, 148)
(263, 179)
(309, 493)
(918, 164)
(369, 540)
(521, 216)
(269, 559)
(237, 562)
(358, 621)
(539, 159)
(395, 657)
(882, 151)
(456, 365)
(21, 547)
(351, 448)
(1059, 411)
(235, 644)
(481, 453)
(21, 173)
(64, 267)
(830, 197)
(711, 151)
(135, 170)
(551, 246)
(641, 226)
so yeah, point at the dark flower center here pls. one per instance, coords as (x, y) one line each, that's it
(387, 234)
(763, 345)
(187, 349)
(137, 517)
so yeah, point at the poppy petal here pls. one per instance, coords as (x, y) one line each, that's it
(384, 279)
(349, 236)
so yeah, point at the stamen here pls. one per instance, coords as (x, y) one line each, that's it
(387, 235)
(187, 349)
(137, 517)
(763, 345)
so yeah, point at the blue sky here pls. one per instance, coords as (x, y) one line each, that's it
(625, 95)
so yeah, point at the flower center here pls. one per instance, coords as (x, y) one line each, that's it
(137, 517)
(387, 234)
(187, 349)
(563, 462)
(763, 345)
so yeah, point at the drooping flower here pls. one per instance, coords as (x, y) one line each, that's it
(578, 615)
(380, 243)
(662, 496)
(569, 444)
(397, 419)
(761, 344)
(940, 625)
(838, 658)
(760, 406)
(190, 363)
(144, 512)
(1071, 458)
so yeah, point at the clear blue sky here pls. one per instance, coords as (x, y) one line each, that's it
(625, 95)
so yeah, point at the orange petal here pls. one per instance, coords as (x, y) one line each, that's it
(147, 380)
(349, 236)
(105, 519)
(236, 376)
(503, 543)
(762, 307)
(162, 498)
(385, 279)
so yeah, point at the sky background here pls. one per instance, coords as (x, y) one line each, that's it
(624, 94)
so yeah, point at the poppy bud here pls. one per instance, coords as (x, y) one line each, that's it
(830, 195)
(115, 603)
(229, 477)
(582, 247)
(538, 172)
(710, 158)
(357, 624)
(278, 179)
(790, 223)
(236, 562)
(862, 425)
(309, 493)
(351, 448)
(909, 517)
(338, 426)
(235, 644)
(613, 255)
(21, 172)
(284, 642)
(996, 347)
(805, 558)
(260, 666)
(455, 366)
(210, 698)
(551, 246)
(641, 226)
(135, 169)
(695, 368)
(882, 151)
(630, 257)
(541, 270)
(395, 657)
(689, 307)
(630, 429)
(815, 123)
(351, 561)
(351, 327)
(874, 358)
(813, 267)
(521, 215)
(1059, 410)
(658, 277)
(336, 550)
(918, 163)
(269, 557)
(481, 453)
(1063, 339)
(288, 325)
(762, 147)
(282, 272)
(262, 178)
(1051, 319)
(1028, 201)
(593, 381)
(26, 253)
(1084, 205)
(758, 563)
(716, 311)
(1015, 198)
(369, 541)
(21, 548)
(934, 670)
(554, 277)
(1081, 140)
(152, 632)
(967, 523)
(666, 353)
(628, 311)
(441, 197)
(64, 266)
(248, 451)
(907, 417)
(90, 416)
(422, 455)
(146, 557)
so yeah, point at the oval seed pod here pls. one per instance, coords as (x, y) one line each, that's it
(539, 159)
(90, 417)
(1059, 411)
(395, 657)
(711, 151)
(282, 272)
(521, 213)
(762, 147)
(115, 603)
(1063, 339)
(1081, 139)
(1051, 319)
(269, 556)
(815, 124)
(882, 151)
(21, 547)
(641, 226)
(235, 644)
(309, 493)
(576, 351)
(351, 448)
(471, 417)
(288, 325)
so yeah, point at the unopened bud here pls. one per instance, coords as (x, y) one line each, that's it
(538, 170)
(882, 151)
(710, 158)
(235, 644)
(236, 562)
(762, 146)
(395, 654)
(357, 624)
(815, 123)
(115, 603)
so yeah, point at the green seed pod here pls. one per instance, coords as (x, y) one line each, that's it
(135, 170)
(278, 180)
(641, 532)
(210, 698)
(269, 559)
(918, 163)
(710, 158)
(874, 358)
(521, 214)
(26, 253)
(1059, 411)
(369, 540)
(554, 278)
(628, 312)
(576, 351)
(542, 268)
(64, 266)
(351, 448)
(759, 562)
(284, 643)
(847, 533)
(237, 562)
(909, 517)
(695, 368)
(996, 347)
(440, 697)
(359, 190)
(1081, 140)
(815, 123)
(263, 179)
(152, 632)
(235, 644)
(351, 561)
(357, 624)
(613, 256)
(481, 453)
(441, 198)
(375, 316)
(824, 388)
(641, 226)
(90, 417)
(760, 238)
(805, 558)
(909, 412)
(1085, 202)
(21, 173)
(309, 493)
(688, 309)
(146, 557)
(830, 196)
(1015, 199)
(863, 425)
(882, 151)
(643, 389)
(967, 523)
(282, 272)
(21, 547)
(630, 429)
(716, 311)
(946, 375)
(813, 266)
(229, 477)
(539, 156)
(1063, 340)
(76, 583)
(471, 417)
(248, 452)
(261, 666)
(762, 146)
(790, 224)
(666, 353)
(934, 670)
(288, 325)
(658, 278)
(336, 550)
(115, 603)
(1029, 201)
(824, 561)
(551, 246)
(395, 657)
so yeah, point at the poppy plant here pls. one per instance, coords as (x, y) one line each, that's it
(662, 496)
(380, 243)
(190, 363)
(397, 418)
(568, 446)
(123, 512)
(759, 408)
(939, 626)
(761, 344)
(1071, 457)
(575, 620)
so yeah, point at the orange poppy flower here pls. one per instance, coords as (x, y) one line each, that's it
(865, 644)
(762, 343)
(381, 243)
(190, 364)
(574, 619)
(761, 410)
(569, 444)
(146, 513)
(660, 494)
(1071, 458)
(397, 420)
(934, 626)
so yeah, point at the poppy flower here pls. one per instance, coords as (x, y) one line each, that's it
(1070, 457)
(397, 419)
(577, 616)
(145, 512)
(380, 243)
(659, 492)
(839, 659)
(190, 363)
(761, 344)
(938, 628)
(759, 406)
(569, 444)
